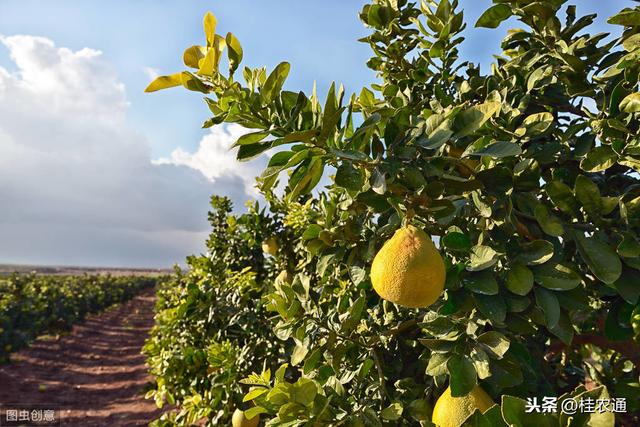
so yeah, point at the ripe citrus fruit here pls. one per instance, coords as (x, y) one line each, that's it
(453, 411)
(240, 420)
(270, 246)
(408, 270)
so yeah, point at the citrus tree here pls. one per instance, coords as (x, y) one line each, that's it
(525, 177)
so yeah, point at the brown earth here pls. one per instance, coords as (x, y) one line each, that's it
(95, 375)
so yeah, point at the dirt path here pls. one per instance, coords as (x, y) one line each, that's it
(95, 375)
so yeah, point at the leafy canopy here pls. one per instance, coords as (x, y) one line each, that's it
(527, 175)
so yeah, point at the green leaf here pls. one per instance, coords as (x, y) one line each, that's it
(254, 411)
(164, 82)
(351, 155)
(631, 104)
(273, 85)
(602, 260)
(462, 375)
(304, 391)
(355, 314)
(349, 177)
(628, 18)
(617, 325)
(632, 43)
(437, 364)
(537, 76)
(497, 180)
(599, 159)
(629, 247)
(550, 224)
(379, 16)
(392, 412)
(256, 392)
(437, 130)
(234, 53)
(492, 417)
(549, 304)
(561, 196)
(193, 83)
(472, 119)
(250, 138)
(312, 360)
(301, 136)
(537, 124)
(481, 362)
(492, 17)
(482, 257)
(482, 283)
(536, 252)
(299, 353)
(437, 345)
(456, 241)
(483, 208)
(563, 329)
(305, 177)
(557, 277)
(495, 342)
(514, 412)
(519, 279)
(505, 373)
(628, 285)
(588, 194)
(437, 49)
(311, 232)
(248, 152)
(492, 306)
(517, 303)
(499, 150)
(419, 409)
(584, 418)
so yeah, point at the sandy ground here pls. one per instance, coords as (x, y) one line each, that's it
(95, 375)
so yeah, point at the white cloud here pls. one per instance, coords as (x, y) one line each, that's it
(214, 159)
(77, 182)
(151, 73)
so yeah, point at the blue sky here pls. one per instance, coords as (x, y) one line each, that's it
(318, 38)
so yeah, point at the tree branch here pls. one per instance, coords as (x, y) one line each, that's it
(383, 386)
(628, 349)
(573, 110)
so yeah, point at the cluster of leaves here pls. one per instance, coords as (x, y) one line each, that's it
(527, 175)
(212, 326)
(31, 305)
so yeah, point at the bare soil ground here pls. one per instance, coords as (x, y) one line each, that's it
(95, 375)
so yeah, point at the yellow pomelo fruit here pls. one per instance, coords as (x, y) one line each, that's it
(408, 270)
(453, 411)
(240, 420)
(270, 246)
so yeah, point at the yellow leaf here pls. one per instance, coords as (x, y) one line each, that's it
(193, 55)
(209, 64)
(165, 82)
(209, 24)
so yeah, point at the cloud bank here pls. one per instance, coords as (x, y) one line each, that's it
(78, 185)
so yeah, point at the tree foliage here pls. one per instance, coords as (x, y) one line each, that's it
(32, 305)
(527, 176)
